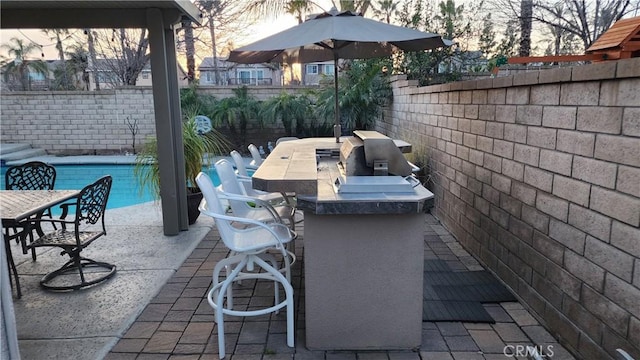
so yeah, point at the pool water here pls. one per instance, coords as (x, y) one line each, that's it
(125, 190)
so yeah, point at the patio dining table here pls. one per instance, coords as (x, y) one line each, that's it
(18, 206)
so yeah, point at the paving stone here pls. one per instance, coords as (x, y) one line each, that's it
(461, 343)
(197, 333)
(340, 355)
(510, 332)
(433, 341)
(186, 303)
(141, 329)
(372, 355)
(130, 345)
(522, 317)
(246, 349)
(497, 313)
(467, 355)
(179, 315)
(488, 341)
(404, 355)
(153, 357)
(436, 355)
(162, 342)
(154, 312)
(173, 326)
(184, 349)
(452, 329)
(538, 334)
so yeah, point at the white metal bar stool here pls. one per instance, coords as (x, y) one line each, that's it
(249, 245)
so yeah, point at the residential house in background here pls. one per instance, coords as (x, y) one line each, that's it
(231, 73)
(108, 78)
(35, 81)
(314, 72)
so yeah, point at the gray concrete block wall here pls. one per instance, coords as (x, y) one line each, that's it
(67, 122)
(64, 122)
(538, 175)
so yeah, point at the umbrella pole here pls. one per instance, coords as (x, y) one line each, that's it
(337, 128)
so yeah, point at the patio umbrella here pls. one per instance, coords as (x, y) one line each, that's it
(336, 35)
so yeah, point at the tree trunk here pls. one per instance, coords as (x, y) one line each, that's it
(526, 12)
(214, 48)
(190, 50)
(92, 58)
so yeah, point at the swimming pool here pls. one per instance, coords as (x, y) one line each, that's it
(125, 190)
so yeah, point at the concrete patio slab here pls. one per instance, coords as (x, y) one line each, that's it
(85, 324)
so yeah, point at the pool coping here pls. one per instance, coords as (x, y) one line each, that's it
(93, 160)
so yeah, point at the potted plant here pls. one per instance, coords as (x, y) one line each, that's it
(198, 149)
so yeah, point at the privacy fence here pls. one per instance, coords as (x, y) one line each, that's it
(74, 122)
(538, 175)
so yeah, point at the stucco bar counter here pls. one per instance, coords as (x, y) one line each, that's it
(363, 253)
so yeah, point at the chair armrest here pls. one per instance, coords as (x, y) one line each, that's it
(204, 209)
(65, 209)
(261, 203)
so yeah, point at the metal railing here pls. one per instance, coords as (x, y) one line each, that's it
(249, 81)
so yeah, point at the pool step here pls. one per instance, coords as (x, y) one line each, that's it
(15, 151)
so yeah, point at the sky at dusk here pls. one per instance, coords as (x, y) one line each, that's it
(266, 27)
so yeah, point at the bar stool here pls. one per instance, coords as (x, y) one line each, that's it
(249, 241)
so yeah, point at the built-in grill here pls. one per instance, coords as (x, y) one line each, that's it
(371, 162)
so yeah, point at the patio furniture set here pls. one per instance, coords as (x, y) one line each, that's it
(26, 210)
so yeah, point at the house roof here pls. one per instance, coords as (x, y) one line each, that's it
(624, 34)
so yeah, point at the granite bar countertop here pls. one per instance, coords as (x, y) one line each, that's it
(292, 166)
(328, 201)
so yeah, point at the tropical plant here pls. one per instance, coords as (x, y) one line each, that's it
(197, 152)
(290, 109)
(193, 102)
(235, 113)
(18, 67)
(362, 91)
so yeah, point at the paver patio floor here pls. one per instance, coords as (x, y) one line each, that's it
(178, 323)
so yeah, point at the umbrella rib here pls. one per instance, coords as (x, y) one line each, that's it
(323, 45)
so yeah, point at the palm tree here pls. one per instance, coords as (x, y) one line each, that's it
(363, 90)
(385, 9)
(78, 63)
(236, 112)
(18, 66)
(290, 109)
(63, 79)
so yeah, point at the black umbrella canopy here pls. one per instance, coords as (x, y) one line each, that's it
(336, 35)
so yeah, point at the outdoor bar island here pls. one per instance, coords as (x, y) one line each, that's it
(363, 238)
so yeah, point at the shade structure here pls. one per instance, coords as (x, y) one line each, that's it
(336, 35)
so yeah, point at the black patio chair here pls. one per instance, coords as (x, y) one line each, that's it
(34, 175)
(75, 235)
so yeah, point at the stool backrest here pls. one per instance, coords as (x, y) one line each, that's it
(240, 167)
(231, 185)
(255, 155)
(212, 206)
